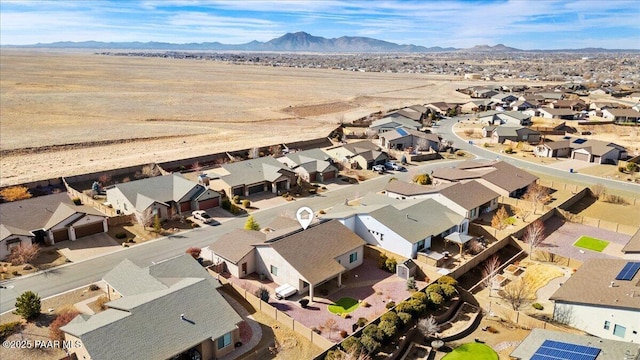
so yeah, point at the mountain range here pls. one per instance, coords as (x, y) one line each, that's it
(292, 42)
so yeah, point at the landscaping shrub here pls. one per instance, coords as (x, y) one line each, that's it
(77, 201)
(121, 235)
(388, 328)
(61, 320)
(334, 355)
(492, 330)
(28, 305)
(434, 288)
(486, 145)
(236, 199)
(390, 316)
(362, 322)
(447, 280)
(411, 283)
(101, 302)
(373, 331)
(391, 264)
(94, 287)
(460, 153)
(508, 150)
(510, 221)
(246, 203)
(404, 317)
(448, 291)
(263, 294)
(422, 179)
(370, 344)
(7, 329)
(343, 334)
(352, 345)
(537, 306)
(345, 316)
(226, 204)
(435, 299)
(365, 304)
(390, 304)
(382, 260)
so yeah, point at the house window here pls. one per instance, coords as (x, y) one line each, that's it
(224, 340)
(619, 331)
(274, 270)
(12, 243)
(473, 213)
(607, 324)
(420, 245)
(353, 257)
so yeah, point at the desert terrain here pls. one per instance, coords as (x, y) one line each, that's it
(67, 113)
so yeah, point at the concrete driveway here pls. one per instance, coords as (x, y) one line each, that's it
(87, 247)
(570, 164)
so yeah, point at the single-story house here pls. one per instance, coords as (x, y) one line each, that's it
(361, 154)
(244, 178)
(504, 98)
(409, 113)
(404, 227)
(522, 105)
(402, 190)
(553, 149)
(469, 199)
(602, 299)
(168, 309)
(400, 139)
(551, 96)
(631, 249)
(601, 105)
(476, 105)
(621, 115)
(597, 151)
(165, 196)
(543, 344)
(575, 105)
(47, 220)
(515, 133)
(494, 117)
(394, 121)
(483, 92)
(441, 108)
(550, 113)
(312, 165)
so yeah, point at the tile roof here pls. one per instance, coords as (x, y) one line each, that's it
(591, 285)
(469, 195)
(116, 333)
(312, 252)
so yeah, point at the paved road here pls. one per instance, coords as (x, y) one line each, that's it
(445, 130)
(72, 276)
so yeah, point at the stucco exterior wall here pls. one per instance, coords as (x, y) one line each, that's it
(591, 319)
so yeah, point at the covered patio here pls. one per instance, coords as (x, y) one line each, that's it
(459, 239)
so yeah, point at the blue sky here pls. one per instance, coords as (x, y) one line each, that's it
(524, 24)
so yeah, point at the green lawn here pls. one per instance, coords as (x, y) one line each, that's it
(475, 351)
(591, 243)
(344, 305)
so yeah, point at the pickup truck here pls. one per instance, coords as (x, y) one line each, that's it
(378, 168)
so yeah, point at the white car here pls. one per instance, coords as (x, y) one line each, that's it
(202, 216)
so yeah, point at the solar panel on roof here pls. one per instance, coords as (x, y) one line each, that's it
(556, 350)
(579, 141)
(628, 271)
(401, 132)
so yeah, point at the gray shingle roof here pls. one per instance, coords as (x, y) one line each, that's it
(152, 327)
(591, 284)
(633, 245)
(469, 195)
(233, 246)
(397, 118)
(411, 189)
(255, 171)
(7, 230)
(509, 177)
(312, 252)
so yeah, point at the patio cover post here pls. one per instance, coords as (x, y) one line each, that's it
(310, 293)
(340, 280)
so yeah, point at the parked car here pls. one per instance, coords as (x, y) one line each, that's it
(202, 216)
(378, 168)
(390, 165)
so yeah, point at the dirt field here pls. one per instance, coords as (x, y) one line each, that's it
(112, 111)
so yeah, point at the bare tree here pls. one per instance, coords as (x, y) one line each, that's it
(489, 271)
(194, 252)
(428, 326)
(599, 191)
(370, 133)
(148, 171)
(275, 149)
(537, 194)
(196, 166)
(422, 144)
(469, 132)
(534, 235)
(145, 218)
(254, 153)
(518, 292)
(331, 325)
(21, 254)
(524, 212)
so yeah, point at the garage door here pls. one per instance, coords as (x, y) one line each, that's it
(329, 175)
(89, 229)
(256, 189)
(581, 156)
(238, 191)
(60, 235)
(313, 176)
(208, 204)
(185, 206)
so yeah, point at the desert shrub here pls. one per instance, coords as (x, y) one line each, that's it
(435, 299)
(226, 204)
(194, 252)
(343, 334)
(598, 191)
(8, 329)
(461, 153)
(246, 203)
(486, 145)
(23, 254)
(447, 280)
(632, 167)
(28, 305)
(434, 288)
(492, 330)
(61, 320)
(510, 221)
(352, 345)
(236, 199)
(411, 283)
(422, 179)
(15, 193)
(615, 199)
(121, 235)
(370, 344)
(322, 212)
(537, 306)
(102, 301)
(77, 201)
(390, 316)
(404, 317)
(508, 150)
(448, 291)
(382, 260)
(469, 132)
(94, 287)
(362, 322)
(388, 328)
(373, 331)
(263, 294)
(390, 304)
(390, 265)
(364, 304)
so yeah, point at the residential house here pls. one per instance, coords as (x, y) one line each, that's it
(361, 154)
(409, 113)
(545, 344)
(476, 105)
(47, 220)
(312, 165)
(169, 309)
(248, 177)
(551, 113)
(484, 93)
(404, 227)
(515, 133)
(165, 196)
(441, 108)
(503, 98)
(303, 259)
(621, 116)
(488, 130)
(554, 149)
(550, 97)
(601, 298)
(401, 139)
(631, 249)
(601, 105)
(494, 117)
(402, 190)
(596, 151)
(522, 105)
(575, 105)
(392, 122)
